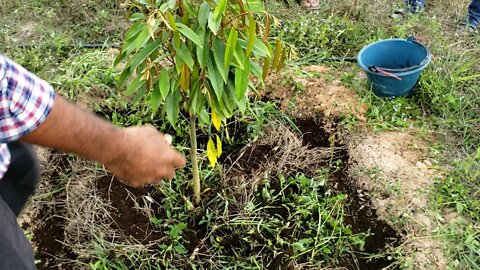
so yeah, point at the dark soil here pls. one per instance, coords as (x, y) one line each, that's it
(48, 237)
(361, 216)
(130, 221)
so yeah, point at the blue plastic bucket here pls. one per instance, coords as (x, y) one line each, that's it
(393, 66)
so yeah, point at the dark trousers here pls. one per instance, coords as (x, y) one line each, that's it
(15, 188)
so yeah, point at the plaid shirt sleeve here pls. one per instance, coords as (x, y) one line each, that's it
(25, 100)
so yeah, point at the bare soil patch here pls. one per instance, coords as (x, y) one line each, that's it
(313, 95)
(395, 168)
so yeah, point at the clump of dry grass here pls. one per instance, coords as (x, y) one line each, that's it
(280, 151)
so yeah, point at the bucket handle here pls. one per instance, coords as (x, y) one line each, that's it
(419, 42)
(381, 71)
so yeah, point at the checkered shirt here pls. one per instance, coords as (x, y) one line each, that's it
(25, 102)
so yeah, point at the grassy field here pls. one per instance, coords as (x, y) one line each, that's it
(302, 184)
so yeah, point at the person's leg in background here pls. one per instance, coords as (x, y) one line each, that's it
(474, 13)
(415, 5)
(15, 188)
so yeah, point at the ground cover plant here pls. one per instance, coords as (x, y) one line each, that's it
(316, 173)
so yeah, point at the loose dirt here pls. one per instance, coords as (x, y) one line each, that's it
(312, 95)
(361, 214)
(395, 168)
(126, 203)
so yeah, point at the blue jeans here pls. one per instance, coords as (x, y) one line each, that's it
(473, 10)
(474, 13)
(415, 5)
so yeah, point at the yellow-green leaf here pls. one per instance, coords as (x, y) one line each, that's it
(277, 55)
(211, 152)
(266, 66)
(231, 44)
(185, 78)
(282, 59)
(172, 22)
(216, 120)
(219, 146)
(251, 34)
(221, 6)
(266, 32)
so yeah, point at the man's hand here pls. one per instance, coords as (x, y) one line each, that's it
(137, 155)
(149, 158)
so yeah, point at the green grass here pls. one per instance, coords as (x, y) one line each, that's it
(310, 227)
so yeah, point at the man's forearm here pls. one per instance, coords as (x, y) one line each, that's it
(72, 129)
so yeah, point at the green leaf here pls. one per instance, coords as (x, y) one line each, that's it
(258, 50)
(195, 101)
(134, 30)
(185, 55)
(141, 39)
(239, 56)
(172, 107)
(231, 45)
(126, 73)
(242, 105)
(228, 100)
(214, 25)
(241, 80)
(218, 48)
(187, 32)
(204, 117)
(202, 52)
(137, 16)
(119, 58)
(261, 49)
(203, 14)
(134, 85)
(221, 6)
(172, 3)
(140, 93)
(256, 69)
(164, 83)
(211, 152)
(144, 53)
(155, 99)
(189, 8)
(215, 78)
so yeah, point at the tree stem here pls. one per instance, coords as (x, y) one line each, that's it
(193, 157)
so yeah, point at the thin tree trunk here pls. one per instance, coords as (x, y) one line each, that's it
(193, 158)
